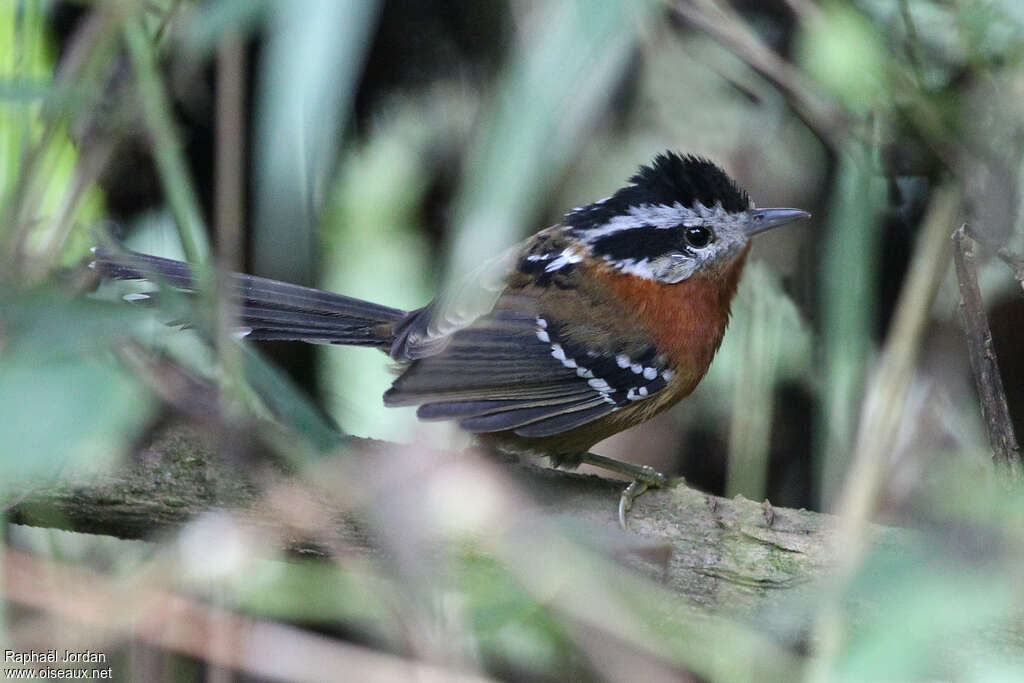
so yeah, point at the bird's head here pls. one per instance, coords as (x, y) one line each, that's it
(679, 216)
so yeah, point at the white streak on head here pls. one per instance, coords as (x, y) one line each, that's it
(135, 297)
(729, 228)
(242, 332)
(661, 216)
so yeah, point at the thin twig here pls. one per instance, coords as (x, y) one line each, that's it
(984, 365)
(826, 118)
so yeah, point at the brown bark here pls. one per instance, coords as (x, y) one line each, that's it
(728, 555)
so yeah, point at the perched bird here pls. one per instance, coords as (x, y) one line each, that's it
(585, 329)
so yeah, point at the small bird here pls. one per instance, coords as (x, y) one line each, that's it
(585, 329)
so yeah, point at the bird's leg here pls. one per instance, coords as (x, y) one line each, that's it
(644, 477)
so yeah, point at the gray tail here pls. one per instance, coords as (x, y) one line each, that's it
(267, 309)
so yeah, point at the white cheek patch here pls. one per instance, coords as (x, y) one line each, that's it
(668, 269)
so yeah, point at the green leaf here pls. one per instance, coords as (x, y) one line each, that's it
(287, 404)
(63, 397)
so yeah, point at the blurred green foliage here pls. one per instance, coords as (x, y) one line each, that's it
(907, 75)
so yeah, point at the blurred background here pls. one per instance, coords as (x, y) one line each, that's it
(379, 148)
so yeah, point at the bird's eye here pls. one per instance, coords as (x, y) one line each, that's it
(698, 237)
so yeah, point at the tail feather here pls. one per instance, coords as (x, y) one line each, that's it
(267, 309)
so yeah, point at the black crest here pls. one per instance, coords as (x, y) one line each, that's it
(669, 179)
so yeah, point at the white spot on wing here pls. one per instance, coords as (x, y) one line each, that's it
(567, 257)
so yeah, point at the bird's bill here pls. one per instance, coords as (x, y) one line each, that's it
(766, 219)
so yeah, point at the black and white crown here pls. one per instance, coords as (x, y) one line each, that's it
(670, 179)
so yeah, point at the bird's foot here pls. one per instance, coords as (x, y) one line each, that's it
(635, 489)
(644, 477)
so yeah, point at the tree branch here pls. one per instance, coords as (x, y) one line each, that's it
(984, 365)
(718, 552)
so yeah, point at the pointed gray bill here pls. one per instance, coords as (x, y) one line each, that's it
(766, 219)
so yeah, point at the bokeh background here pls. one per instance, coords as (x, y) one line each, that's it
(381, 148)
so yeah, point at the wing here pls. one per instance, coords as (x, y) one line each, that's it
(425, 332)
(513, 370)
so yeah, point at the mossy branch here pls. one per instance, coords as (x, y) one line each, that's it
(735, 555)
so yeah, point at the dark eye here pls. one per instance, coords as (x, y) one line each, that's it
(698, 237)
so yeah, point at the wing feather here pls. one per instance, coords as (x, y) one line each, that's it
(517, 418)
(506, 372)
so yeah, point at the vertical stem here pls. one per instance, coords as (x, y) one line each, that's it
(170, 162)
(230, 159)
(848, 293)
(229, 203)
(750, 427)
(882, 413)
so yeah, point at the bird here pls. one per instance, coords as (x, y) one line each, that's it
(587, 328)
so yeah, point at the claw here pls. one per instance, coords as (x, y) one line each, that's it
(643, 476)
(629, 494)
